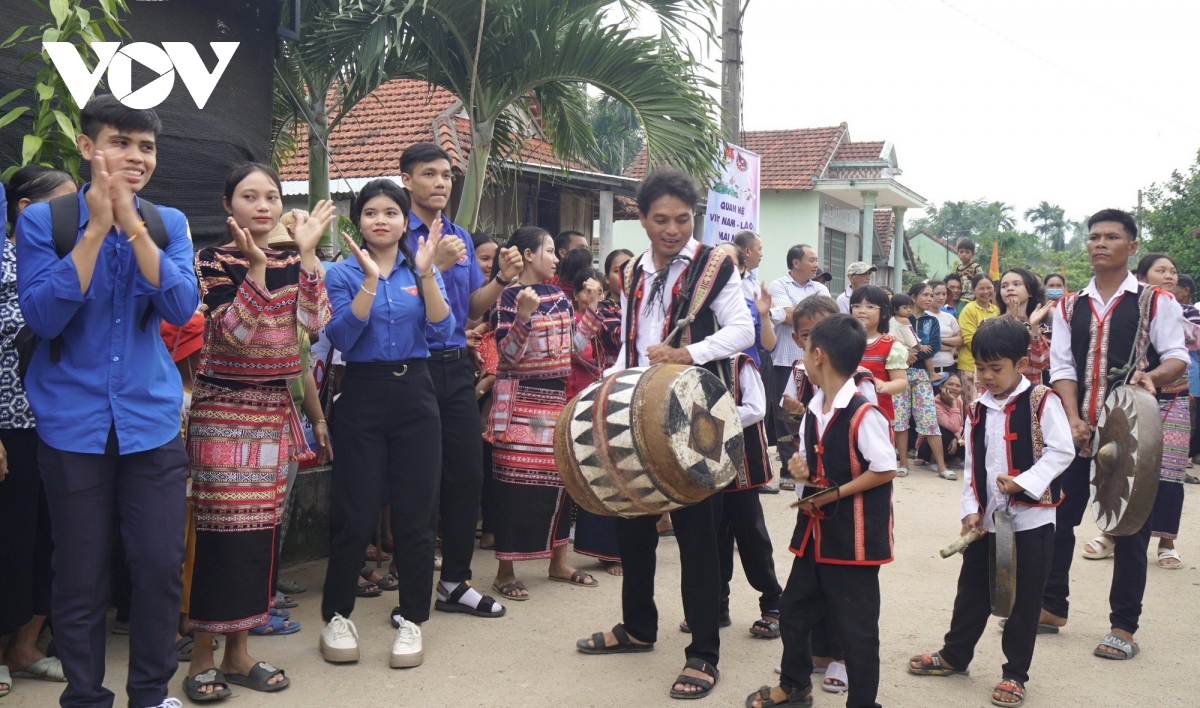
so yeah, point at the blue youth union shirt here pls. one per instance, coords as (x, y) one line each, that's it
(113, 373)
(396, 327)
(461, 280)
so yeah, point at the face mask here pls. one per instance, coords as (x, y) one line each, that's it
(1054, 293)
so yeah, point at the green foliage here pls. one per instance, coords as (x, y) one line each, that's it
(52, 114)
(912, 277)
(955, 220)
(1050, 223)
(618, 134)
(346, 226)
(1172, 218)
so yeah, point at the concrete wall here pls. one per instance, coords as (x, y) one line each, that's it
(786, 219)
(938, 260)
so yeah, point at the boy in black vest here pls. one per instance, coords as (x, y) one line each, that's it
(843, 532)
(1018, 443)
(1130, 322)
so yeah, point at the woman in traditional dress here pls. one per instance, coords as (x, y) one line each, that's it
(1022, 297)
(533, 322)
(594, 535)
(243, 428)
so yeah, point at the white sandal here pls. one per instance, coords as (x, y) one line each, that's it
(1104, 548)
(1168, 559)
(836, 672)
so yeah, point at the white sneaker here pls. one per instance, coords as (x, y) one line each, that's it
(170, 703)
(437, 562)
(406, 650)
(339, 641)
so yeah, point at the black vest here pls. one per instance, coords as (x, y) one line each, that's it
(692, 294)
(1116, 336)
(855, 530)
(1023, 437)
(757, 470)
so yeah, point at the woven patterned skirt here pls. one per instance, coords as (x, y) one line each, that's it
(1177, 436)
(532, 508)
(239, 444)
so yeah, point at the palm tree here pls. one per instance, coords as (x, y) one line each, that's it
(346, 50)
(618, 134)
(996, 216)
(956, 220)
(1050, 223)
(521, 63)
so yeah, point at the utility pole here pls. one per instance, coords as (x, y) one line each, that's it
(731, 70)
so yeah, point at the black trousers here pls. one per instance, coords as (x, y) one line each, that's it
(696, 534)
(384, 425)
(779, 379)
(742, 519)
(148, 490)
(1129, 558)
(766, 365)
(1194, 446)
(925, 453)
(847, 597)
(25, 545)
(462, 463)
(972, 605)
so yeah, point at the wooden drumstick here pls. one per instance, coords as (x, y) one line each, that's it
(961, 543)
(679, 325)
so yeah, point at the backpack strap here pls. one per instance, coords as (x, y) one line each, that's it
(158, 233)
(64, 230)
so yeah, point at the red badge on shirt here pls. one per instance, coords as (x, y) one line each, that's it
(411, 290)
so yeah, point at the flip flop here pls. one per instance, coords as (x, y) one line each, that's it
(48, 669)
(579, 578)
(183, 649)
(281, 614)
(211, 677)
(836, 671)
(277, 626)
(290, 587)
(258, 678)
(284, 602)
(508, 588)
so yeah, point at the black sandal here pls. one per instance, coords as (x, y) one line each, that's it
(624, 644)
(258, 678)
(766, 628)
(482, 609)
(209, 677)
(705, 687)
(793, 698)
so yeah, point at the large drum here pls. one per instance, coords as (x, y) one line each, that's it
(648, 440)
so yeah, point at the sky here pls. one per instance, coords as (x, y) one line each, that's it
(1077, 102)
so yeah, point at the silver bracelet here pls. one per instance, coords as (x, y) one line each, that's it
(364, 289)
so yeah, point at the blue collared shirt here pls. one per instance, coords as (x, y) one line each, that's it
(113, 373)
(395, 329)
(461, 280)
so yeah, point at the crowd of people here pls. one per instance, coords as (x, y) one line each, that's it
(157, 402)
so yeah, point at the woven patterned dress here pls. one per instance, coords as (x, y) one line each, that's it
(243, 428)
(532, 511)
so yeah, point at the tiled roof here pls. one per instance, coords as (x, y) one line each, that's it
(885, 230)
(859, 152)
(368, 142)
(790, 158)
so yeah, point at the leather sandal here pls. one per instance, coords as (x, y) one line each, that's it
(624, 644)
(706, 687)
(766, 628)
(795, 697)
(482, 609)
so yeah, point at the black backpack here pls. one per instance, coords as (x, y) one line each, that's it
(64, 227)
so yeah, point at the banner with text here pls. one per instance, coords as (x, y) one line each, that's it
(733, 200)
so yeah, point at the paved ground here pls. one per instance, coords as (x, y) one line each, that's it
(528, 659)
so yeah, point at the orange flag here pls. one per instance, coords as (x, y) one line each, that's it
(994, 268)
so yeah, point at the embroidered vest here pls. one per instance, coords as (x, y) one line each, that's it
(805, 389)
(1024, 445)
(692, 294)
(757, 470)
(875, 360)
(1099, 346)
(856, 530)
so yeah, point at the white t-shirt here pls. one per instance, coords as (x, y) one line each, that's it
(950, 328)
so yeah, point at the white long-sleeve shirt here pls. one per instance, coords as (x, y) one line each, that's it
(866, 388)
(753, 407)
(736, 327)
(1166, 329)
(874, 431)
(1057, 453)
(785, 293)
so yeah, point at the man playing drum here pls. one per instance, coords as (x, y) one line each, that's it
(1113, 314)
(674, 278)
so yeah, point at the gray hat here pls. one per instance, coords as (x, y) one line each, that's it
(859, 268)
(823, 276)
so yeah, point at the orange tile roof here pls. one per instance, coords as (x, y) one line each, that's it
(790, 158)
(885, 230)
(368, 142)
(859, 152)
